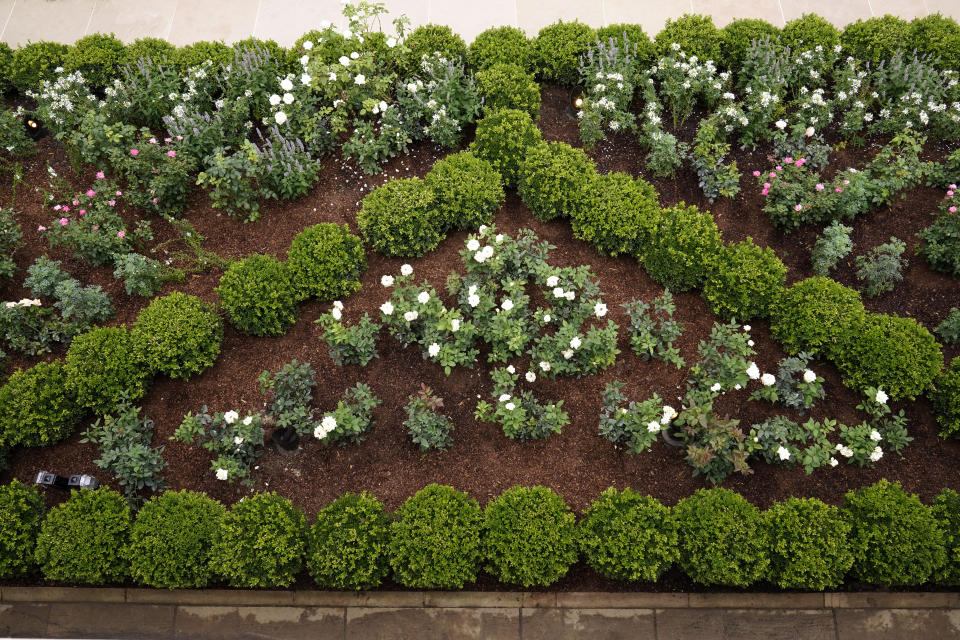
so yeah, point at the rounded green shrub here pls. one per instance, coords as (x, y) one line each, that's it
(894, 537)
(696, 34)
(938, 36)
(82, 541)
(811, 315)
(496, 45)
(37, 408)
(21, 514)
(178, 335)
(401, 218)
(744, 281)
(809, 31)
(557, 49)
(946, 511)
(628, 536)
(426, 40)
(620, 215)
(157, 50)
(507, 86)
(325, 262)
(737, 37)
(258, 297)
(328, 46)
(892, 353)
(529, 537)
(723, 538)
(347, 546)
(684, 244)
(195, 53)
(502, 139)
(261, 543)
(98, 57)
(104, 366)
(6, 68)
(467, 190)
(435, 539)
(638, 43)
(946, 400)
(809, 544)
(171, 540)
(876, 39)
(35, 62)
(554, 180)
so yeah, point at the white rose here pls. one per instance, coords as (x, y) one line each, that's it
(575, 342)
(877, 454)
(747, 327)
(360, 79)
(511, 369)
(222, 474)
(307, 45)
(510, 406)
(238, 440)
(753, 371)
(230, 417)
(546, 317)
(274, 99)
(557, 292)
(304, 59)
(833, 462)
(455, 325)
(781, 124)
(504, 397)
(333, 76)
(391, 42)
(569, 295)
(344, 60)
(749, 343)
(809, 132)
(387, 308)
(600, 309)
(553, 281)
(881, 397)
(480, 256)
(306, 79)
(248, 420)
(280, 117)
(531, 376)
(286, 84)
(499, 238)
(406, 270)
(507, 304)
(783, 453)
(354, 55)
(809, 376)
(875, 436)
(386, 281)
(410, 316)
(424, 297)
(653, 426)
(544, 365)
(336, 313)
(473, 300)
(767, 379)
(433, 350)
(288, 98)
(473, 244)
(567, 354)
(716, 387)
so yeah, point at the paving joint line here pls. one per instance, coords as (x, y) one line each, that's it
(7, 21)
(93, 10)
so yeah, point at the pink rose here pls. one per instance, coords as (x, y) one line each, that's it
(111, 202)
(949, 193)
(56, 207)
(778, 168)
(953, 186)
(773, 174)
(154, 201)
(121, 234)
(153, 141)
(838, 190)
(66, 209)
(119, 193)
(766, 185)
(91, 193)
(41, 228)
(788, 160)
(765, 192)
(83, 212)
(76, 202)
(756, 174)
(846, 182)
(168, 140)
(952, 209)
(172, 153)
(798, 207)
(819, 187)
(134, 152)
(800, 162)
(96, 227)
(100, 175)
(64, 222)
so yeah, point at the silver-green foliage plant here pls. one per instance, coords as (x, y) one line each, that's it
(949, 329)
(349, 345)
(291, 387)
(882, 268)
(607, 72)
(831, 247)
(351, 420)
(427, 428)
(653, 330)
(635, 426)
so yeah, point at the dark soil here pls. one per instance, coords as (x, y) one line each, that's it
(578, 463)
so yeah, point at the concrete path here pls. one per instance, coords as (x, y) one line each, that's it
(318, 615)
(185, 21)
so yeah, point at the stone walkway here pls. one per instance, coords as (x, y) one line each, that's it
(318, 615)
(185, 21)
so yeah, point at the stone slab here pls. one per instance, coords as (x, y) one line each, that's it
(260, 623)
(390, 599)
(287, 21)
(34, 20)
(650, 15)
(23, 620)
(906, 9)
(538, 599)
(235, 597)
(946, 7)
(86, 620)
(226, 20)
(533, 15)
(757, 600)
(893, 600)
(423, 623)
(481, 599)
(326, 598)
(725, 11)
(596, 624)
(601, 600)
(132, 19)
(839, 13)
(744, 624)
(898, 624)
(63, 594)
(470, 18)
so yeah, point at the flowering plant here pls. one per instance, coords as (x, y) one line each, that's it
(351, 420)
(292, 392)
(237, 443)
(653, 330)
(795, 386)
(521, 416)
(684, 81)
(607, 72)
(716, 446)
(635, 426)
(723, 363)
(440, 101)
(427, 428)
(349, 345)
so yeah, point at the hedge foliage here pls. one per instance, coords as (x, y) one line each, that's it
(502, 139)
(326, 261)
(401, 218)
(37, 408)
(21, 514)
(682, 247)
(619, 215)
(178, 335)
(811, 315)
(258, 296)
(555, 180)
(347, 547)
(467, 190)
(104, 366)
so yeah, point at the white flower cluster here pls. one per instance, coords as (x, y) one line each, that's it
(328, 424)
(24, 302)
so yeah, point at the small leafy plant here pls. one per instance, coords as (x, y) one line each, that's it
(237, 443)
(427, 428)
(653, 330)
(351, 420)
(882, 268)
(349, 345)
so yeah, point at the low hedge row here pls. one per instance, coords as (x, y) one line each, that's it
(440, 538)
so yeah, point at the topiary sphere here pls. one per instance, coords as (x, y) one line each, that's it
(401, 218)
(696, 35)
(638, 44)
(500, 45)
(21, 514)
(739, 35)
(619, 216)
(258, 296)
(178, 335)
(744, 281)
(158, 50)
(35, 62)
(557, 50)
(811, 315)
(196, 53)
(876, 39)
(37, 408)
(808, 32)
(426, 40)
(467, 190)
(938, 36)
(809, 544)
(507, 86)
(104, 366)
(946, 400)
(98, 57)
(325, 262)
(347, 547)
(682, 247)
(503, 139)
(555, 180)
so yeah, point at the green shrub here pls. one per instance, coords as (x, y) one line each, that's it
(683, 246)
(696, 34)
(435, 539)
(401, 218)
(98, 57)
(876, 39)
(640, 45)
(529, 537)
(37, 408)
(508, 86)
(467, 190)
(557, 49)
(21, 513)
(6, 68)
(723, 539)
(508, 45)
(811, 315)
(809, 544)
(554, 179)
(178, 335)
(35, 62)
(258, 297)
(171, 540)
(426, 40)
(82, 540)
(808, 31)
(156, 49)
(938, 36)
(894, 537)
(502, 139)
(628, 536)
(946, 400)
(103, 366)
(195, 53)
(347, 547)
(325, 262)
(745, 281)
(737, 37)
(277, 53)
(888, 352)
(946, 511)
(260, 543)
(620, 215)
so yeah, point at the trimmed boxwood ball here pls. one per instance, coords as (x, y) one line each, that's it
(946, 510)
(426, 40)
(640, 46)
(737, 37)
(628, 536)
(808, 31)
(896, 540)
(723, 538)
(620, 215)
(157, 49)
(507, 86)
(6, 68)
(467, 190)
(946, 400)
(554, 180)
(82, 540)
(744, 281)
(37, 408)
(347, 546)
(195, 53)
(696, 34)
(811, 315)
(809, 544)
(682, 247)
(102, 366)
(895, 354)
(178, 335)
(435, 539)
(938, 36)
(325, 262)
(35, 62)
(497, 45)
(529, 537)
(21, 514)
(260, 543)
(876, 39)
(557, 50)
(258, 297)
(502, 139)
(171, 540)
(98, 57)
(401, 218)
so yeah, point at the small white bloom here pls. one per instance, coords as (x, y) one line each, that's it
(333, 77)
(387, 308)
(653, 426)
(280, 117)
(767, 379)
(737, 387)
(749, 343)
(507, 304)
(307, 45)
(531, 376)
(336, 313)
(455, 325)
(288, 98)
(783, 453)
(876, 455)
(600, 309)
(248, 420)
(569, 295)
(546, 317)
(881, 397)
(304, 59)
(553, 281)
(274, 99)
(473, 244)
(483, 229)
(424, 297)
(809, 376)
(238, 440)
(286, 84)
(433, 350)
(354, 55)
(510, 406)
(386, 281)
(337, 304)
(544, 365)
(557, 292)
(480, 256)
(499, 238)
(360, 79)
(875, 436)
(230, 417)
(781, 124)
(833, 462)
(753, 371)
(511, 369)
(715, 387)
(410, 316)
(391, 42)
(473, 300)
(344, 60)
(575, 342)
(747, 327)
(568, 354)
(809, 132)
(305, 79)
(406, 270)
(222, 474)
(504, 397)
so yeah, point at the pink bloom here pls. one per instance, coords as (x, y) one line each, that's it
(838, 190)
(765, 192)
(766, 185)
(172, 153)
(949, 193)
(121, 234)
(819, 187)
(773, 174)
(56, 207)
(134, 152)
(788, 160)
(66, 209)
(91, 193)
(798, 207)
(83, 212)
(953, 186)
(111, 202)
(100, 175)
(756, 174)
(41, 228)
(953, 209)
(778, 168)
(76, 202)
(153, 141)
(168, 140)
(846, 182)
(96, 227)
(154, 201)
(64, 222)
(179, 137)
(119, 193)
(800, 162)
